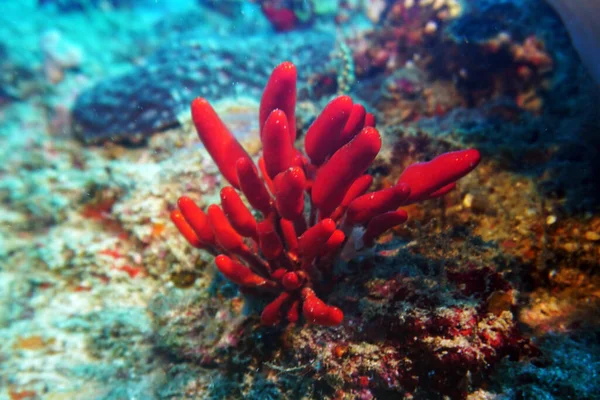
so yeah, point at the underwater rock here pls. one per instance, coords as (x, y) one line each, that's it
(59, 55)
(581, 20)
(288, 15)
(82, 5)
(151, 97)
(17, 80)
(456, 57)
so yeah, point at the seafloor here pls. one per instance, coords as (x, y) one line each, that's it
(490, 292)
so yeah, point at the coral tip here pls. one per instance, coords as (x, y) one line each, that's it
(222, 146)
(425, 178)
(197, 219)
(278, 151)
(322, 137)
(237, 213)
(280, 93)
(185, 229)
(343, 168)
(238, 273)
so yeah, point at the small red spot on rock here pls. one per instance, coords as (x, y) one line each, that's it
(111, 253)
(132, 271)
(509, 244)
(363, 381)
(340, 350)
(22, 395)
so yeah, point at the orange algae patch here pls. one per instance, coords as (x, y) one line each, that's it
(571, 302)
(340, 350)
(131, 270)
(22, 394)
(157, 229)
(98, 210)
(509, 244)
(111, 253)
(500, 301)
(35, 342)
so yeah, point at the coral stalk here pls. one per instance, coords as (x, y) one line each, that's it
(253, 187)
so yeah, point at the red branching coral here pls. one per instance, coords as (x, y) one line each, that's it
(313, 206)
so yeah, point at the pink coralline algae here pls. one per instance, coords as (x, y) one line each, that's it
(283, 19)
(314, 205)
(414, 334)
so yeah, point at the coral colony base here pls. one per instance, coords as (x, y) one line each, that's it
(315, 206)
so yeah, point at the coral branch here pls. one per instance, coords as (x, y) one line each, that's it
(382, 223)
(226, 236)
(356, 121)
(426, 178)
(253, 187)
(280, 93)
(289, 193)
(238, 273)
(322, 137)
(196, 219)
(265, 175)
(185, 229)
(289, 235)
(224, 149)
(271, 314)
(358, 188)
(345, 166)
(292, 280)
(442, 191)
(333, 244)
(313, 240)
(317, 312)
(368, 206)
(278, 151)
(369, 120)
(269, 241)
(237, 213)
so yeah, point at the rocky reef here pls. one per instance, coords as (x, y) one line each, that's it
(153, 97)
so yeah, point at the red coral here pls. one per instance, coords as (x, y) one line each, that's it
(283, 19)
(290, 252)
